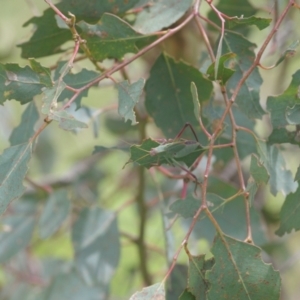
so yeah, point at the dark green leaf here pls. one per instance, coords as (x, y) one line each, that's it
(297, 176)
(112, 38)
(186, 295)
(232, 8)
(224, 73)
(102, 149)
(282, 135)
(289, 52)
(145, 155)
(247, 276)
(95, 237)
(281, 179)
(16, 235)
(278, 105)
(22, 84)
(129, 95)
(258, 171)
(248, 97)
(197, 284)
(25, 130)
(290, 214)
(261, 23)
(168, 94)
(155, 291)
(55, 212)
(13, 168)
(161, 14)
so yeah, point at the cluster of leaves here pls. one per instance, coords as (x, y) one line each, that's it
(175, 93)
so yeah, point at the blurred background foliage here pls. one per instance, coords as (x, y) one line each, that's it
(64, 159)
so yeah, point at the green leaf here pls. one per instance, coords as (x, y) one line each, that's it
(293, 114)
(16, 235)
(252, 188)
(71, 286)
(22, 84)
(96, 259)
(247, 276)
(282, 135)
(278, 105)
(168, 96)
(231, 9)
(144, 155)
(197, 284)
(48, 37)
(112, 37)
(281, 179)
(186, 208)
(66, 121)
(248, 97)
(161, 14)
(176, 282)
(289, 52)
(25, 130)
(75, 81)
(186, 295)
(55, 212)
(290, 214)
(13, 168)
(153, 292)
(129, 95)
(258, 171)
(196, 102)
(224, 73)
(260, 23)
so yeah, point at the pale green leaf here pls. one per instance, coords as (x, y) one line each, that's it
(129, 95)
(153, 292)
(289, 52)
(239, 272)
(55, 212)
(95, 258)
(258, 171)
(22, 133)
(281, 179)
(197, 107)
(161, 14)
(13, 168)
(66, 121)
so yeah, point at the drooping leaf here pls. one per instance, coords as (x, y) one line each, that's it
(247, 276)
(278, 105)
(168, 96)
(258, 171)
(290, 214)
(281, 179)
(197, 284)
(70, 285)
(248, 99)
(13, 168)
(260, 23)
(75, 81)
(112, 37)
(22, 84)
(161, 14)
(55, 212)
(145, 155)
(16, 235)
(153, 292)
(289, 52)
(25, 130)
(95, 258)
(48, 37)
(129, 95)
(224, 73)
